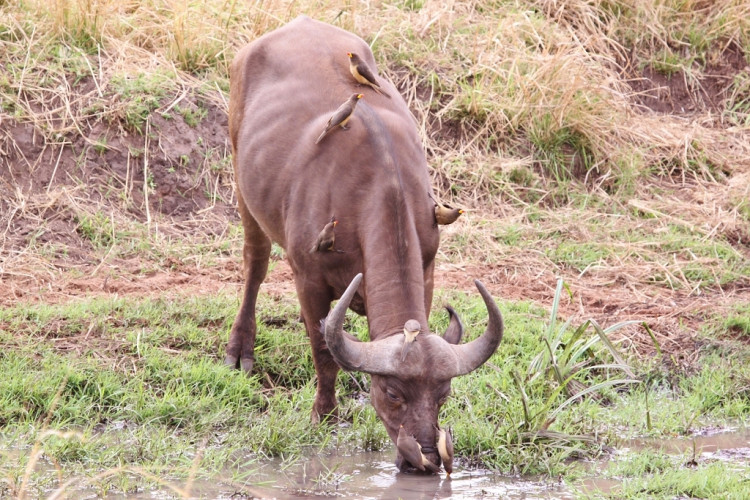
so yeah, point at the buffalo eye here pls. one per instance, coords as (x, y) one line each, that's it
(392, 396)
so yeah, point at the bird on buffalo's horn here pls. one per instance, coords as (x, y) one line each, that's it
(363, 74)
(411, 330)
(326, 238)
(341, 116)
(445, 214)
(445, 448)
(411, 450)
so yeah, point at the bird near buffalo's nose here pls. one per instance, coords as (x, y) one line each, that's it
(341, 116)
(445, 214)
(445, 448)
(411, 450)
(363, 74)
(411, 330)
(326, 238)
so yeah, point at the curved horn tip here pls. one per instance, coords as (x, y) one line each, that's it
(485, 294)
(480, 286)
(357, 279)
(475, 353)
(455, 331)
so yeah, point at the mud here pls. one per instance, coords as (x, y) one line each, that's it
(372, 475)
(362, 475)
(683, 94)
(708, 444)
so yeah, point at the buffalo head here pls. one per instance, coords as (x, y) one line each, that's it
(410, 393)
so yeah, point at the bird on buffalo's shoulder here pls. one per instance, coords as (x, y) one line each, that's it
(444, 214)
(326, 238)
(341, 116)
(411, 330)
(445, 448)
(363, 74)
(411, 450)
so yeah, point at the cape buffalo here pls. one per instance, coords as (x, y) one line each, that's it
(373, 178)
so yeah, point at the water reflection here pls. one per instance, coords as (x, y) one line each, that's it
(708, 443)
(372, 475)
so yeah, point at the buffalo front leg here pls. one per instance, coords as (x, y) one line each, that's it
(315, 306)
(255, 254)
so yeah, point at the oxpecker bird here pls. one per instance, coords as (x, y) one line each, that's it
(411, 330)
(445, 214)
(326, 238)
(363, 74)
(341, 116)
(411, 450)
(445, 448)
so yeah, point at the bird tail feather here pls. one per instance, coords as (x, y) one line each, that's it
(320, 138)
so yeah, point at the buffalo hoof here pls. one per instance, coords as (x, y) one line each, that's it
(328, 415)
(245, 364)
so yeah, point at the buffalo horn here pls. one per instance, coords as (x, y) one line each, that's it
(455, 329)
(470, 356)
(376, 357)
(380, 357)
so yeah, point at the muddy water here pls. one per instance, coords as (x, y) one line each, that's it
(372, 475)
(731, 445)
(708, 444)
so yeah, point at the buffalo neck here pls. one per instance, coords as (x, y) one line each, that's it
(394, 273)
(391, 248)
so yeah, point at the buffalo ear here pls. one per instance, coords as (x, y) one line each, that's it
(455, 330)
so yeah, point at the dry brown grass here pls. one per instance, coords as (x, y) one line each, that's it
(522, 106)
(510, 81)
(483, 81)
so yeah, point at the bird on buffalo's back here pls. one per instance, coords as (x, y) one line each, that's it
(411, 330)
(363, 74)
(326, 238)
(341, 116)
(445, 214)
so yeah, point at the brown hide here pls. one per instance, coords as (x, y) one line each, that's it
(372, 177)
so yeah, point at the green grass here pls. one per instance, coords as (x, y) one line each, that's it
(117, 372)
(738, 323)
(527, 125)
(140, 95)
(650, 474)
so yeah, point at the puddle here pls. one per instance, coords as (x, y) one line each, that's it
(724, 444)
(729, 445)
(362, 475)
(372, 475)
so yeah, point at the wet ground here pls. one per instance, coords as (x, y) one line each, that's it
(372, 475)
(716, 444)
